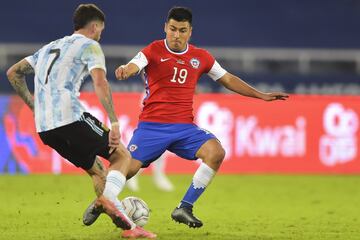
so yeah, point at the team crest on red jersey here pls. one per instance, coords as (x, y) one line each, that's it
(195, 63)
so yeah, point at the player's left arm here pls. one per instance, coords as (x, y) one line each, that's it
(93, 57)
(16, 75)
(239, 86)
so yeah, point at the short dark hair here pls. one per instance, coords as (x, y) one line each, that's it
(180, 14)
(86, 13)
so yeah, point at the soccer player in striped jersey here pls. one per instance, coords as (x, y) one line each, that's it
(62, 122)
(172, 68)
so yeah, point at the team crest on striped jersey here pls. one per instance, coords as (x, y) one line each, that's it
(195, 63)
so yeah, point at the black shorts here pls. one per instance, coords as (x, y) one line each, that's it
(80, 142)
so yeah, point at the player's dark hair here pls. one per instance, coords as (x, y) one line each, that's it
(180, 14)
(86, 13)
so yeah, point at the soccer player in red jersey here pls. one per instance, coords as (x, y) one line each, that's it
(171, 68)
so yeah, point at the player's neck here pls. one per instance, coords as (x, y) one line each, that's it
(175, 50)
(84, 32)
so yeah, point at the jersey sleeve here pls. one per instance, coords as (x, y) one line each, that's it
(32, 59)
(213, 68)
(216, 72)
(93, 57)
(140, 60)
(143, 58)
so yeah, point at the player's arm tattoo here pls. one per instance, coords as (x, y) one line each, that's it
(16, 75)
(103, 92)
(107, 103)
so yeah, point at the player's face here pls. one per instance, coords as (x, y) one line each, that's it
(98, 28)
(177, 34)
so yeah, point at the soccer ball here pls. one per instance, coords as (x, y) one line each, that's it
(137, 210)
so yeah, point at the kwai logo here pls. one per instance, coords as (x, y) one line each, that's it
(339, 143)
(219, 121)
(270, 141)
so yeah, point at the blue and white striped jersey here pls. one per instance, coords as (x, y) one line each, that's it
(60, 68)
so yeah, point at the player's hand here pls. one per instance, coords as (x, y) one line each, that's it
(114, 136)
(275, 96)
(121, 73)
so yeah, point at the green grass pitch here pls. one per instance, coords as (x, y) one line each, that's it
(233, 207)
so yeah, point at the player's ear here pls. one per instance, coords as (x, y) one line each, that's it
(165, 26)
(92, 27)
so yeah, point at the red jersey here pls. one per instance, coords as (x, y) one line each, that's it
(170, 81)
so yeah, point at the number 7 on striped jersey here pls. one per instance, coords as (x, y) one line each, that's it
(57, 54)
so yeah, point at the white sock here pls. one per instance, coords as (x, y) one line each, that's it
(118, 203)
(158, 166)
(115, 182)
(203, 176)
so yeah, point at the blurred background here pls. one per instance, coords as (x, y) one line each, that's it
(269, 182)
(306, 48)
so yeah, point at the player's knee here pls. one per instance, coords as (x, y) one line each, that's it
(134, 168)
(121, 155)
(217, 156)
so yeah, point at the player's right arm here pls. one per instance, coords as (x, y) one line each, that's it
(139, 62)
(123, 72)
(16, 75)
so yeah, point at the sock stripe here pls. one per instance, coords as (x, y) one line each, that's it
(114, 181)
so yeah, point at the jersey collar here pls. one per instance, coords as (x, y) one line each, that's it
(78, 35)
(177, 53)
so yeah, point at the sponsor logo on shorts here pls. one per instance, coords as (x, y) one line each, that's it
(132, 147)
